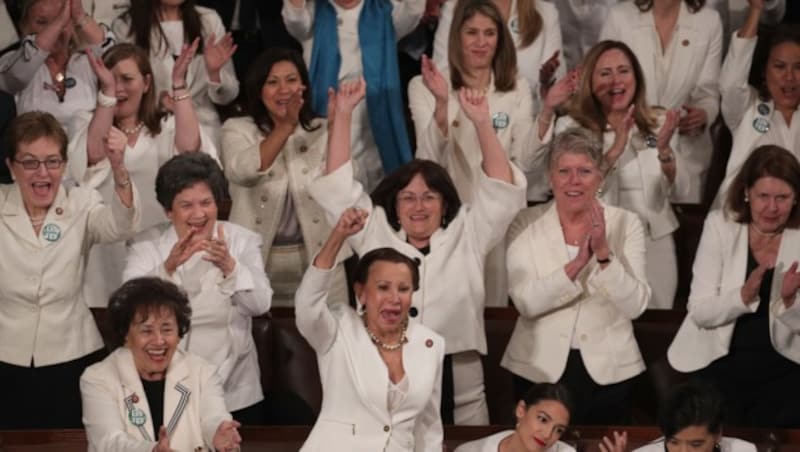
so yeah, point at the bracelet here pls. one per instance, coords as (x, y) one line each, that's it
(177, 87)
(181, 97)
(79, 24)
(668, 159)
(105, 101)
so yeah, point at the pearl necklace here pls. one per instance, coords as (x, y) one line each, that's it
(769, 235)
(389, 347)
(134, 130)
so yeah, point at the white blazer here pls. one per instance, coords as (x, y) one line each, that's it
(581, 21)
(715, 301)
(44, 316)
(726, 445)
(596, 309)
(105, 11)
(450, 299)
(459, 152)
(193, 404)
(492, 444)
(692, 78)
(222, 307)
(355, 381)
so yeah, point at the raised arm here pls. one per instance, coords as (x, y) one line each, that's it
(428, 99)
(737, 94)
(406, 15)
(187, 128)
(342, 103)
(298, 16)
(476, 107)
(97, 134)
(85, 25)
(218, 49)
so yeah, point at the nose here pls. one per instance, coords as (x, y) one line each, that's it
(41, 169)
(573, 177)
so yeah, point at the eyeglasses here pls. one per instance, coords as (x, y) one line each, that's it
(427, 198)
(33, 164)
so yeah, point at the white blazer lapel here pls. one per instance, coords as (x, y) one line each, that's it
(135, 405)
(176, 393)
(15, 216)
(368, 370)
(644, 44)
(686, 43)
(738, 274)
(549, 240)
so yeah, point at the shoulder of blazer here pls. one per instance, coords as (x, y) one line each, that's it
(628, 12)
(525, 218)
(548, 12)
(209, 18)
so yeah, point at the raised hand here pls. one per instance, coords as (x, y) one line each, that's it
(163, 441)
(218, 52)
(76, 10)
(752, 285)
(693, 122)
(474, 104)
(791, 283)
(622, 131)
(182, 63)
(351, 222)
(227, 438)
(292, 115)
(618, 444)
(217, 252)
(560, 92)
(546, 73)
(434, 80)
(349, 94)
(116, 142)
(183, 249)
(104, 76)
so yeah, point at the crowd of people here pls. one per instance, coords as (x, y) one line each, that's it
(535, 158)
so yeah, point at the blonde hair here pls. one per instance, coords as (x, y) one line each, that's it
(530, 22)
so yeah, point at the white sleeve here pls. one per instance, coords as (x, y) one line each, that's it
(313, 317)
(299, 21)
(406, 15)
(441, 39)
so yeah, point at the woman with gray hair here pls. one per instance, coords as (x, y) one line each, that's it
(576, 272)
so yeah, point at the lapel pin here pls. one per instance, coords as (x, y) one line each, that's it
(763, 109)
(761, 125)
(500, 120)
(514, 25)
(429, 343)
(137, 416)
(51, 232)
(685, 42)
(651, 141)
(135, 398)
(59, 210)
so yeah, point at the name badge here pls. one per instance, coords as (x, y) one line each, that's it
(651, 141)
(500, 120)
(763, 109)
(137, 416)
(51, 232)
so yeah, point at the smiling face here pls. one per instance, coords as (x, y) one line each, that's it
(40, 15)
(574, 179)
(695, 438)
(478, 42)
(152, 339)
(282, 82)
(39, 187)
(771, 203)
(541, 425)
(782, 75)
(194, 208)
(386, 296)
(131, 86)
(614, 81)
(419, 210)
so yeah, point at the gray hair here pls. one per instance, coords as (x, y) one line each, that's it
(575, 140)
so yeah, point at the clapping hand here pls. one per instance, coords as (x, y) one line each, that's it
(227, 438)
(558, 93)
(693, 122)
(163, 441)
(116, 141)
(474, 104)
(217, 53)
(183, 249)
(433, 79)
(104, 75)
(291, 116)
(752, 285)
(217, 252)
(666, 131)
(182, 63)
(597, 231)
(791, 283)
(618, 444)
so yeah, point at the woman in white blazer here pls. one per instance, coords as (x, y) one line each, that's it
(743, 325)
(577, 277)
(580, 22)
(381, 374)
(681, 68)
(219, 266)
(691, 419)
(641, 169)
(542, 418)
(126, 113)
(417, 211)
(163, 28)
(760, 98)
(47, 333)
(149, 395)
(270, 157)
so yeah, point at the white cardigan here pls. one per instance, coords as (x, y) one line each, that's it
(715, 300)
(193, 404)
(450, 299)
(692, 78)
(355, 381)
(549, 302)
(492, 444)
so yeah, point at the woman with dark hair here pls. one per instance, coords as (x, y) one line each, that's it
(760, 96)
(149, 395)
(163, 28)
(381, 373)
(219, 266)
(47, 333)
(679, 46)
(641, 171)
(691, 419)
(270, 156)
(542, 418)
(741, 331)
(417, 211)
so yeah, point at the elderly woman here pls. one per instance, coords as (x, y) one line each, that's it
(577, 277)
(542, 418)
(219, 266)
(641, 170)
(46, 72)
(148, 395)
(743, 309)
(381, 374)
(47, 333)
(417, 211)
(126, 116)
(270, 156)
(679, 45)
(759, 108)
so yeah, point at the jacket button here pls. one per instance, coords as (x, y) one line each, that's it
(269, 174)
(386, 428)
(455, 123)
(303, 148)
(584, 337)
(264, 198)
(412, 311)
(304, 170)
(258, 220)
(315, 220)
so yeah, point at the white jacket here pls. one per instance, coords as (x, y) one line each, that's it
(222, 307)
(355, 381)
(193, 404)
(715, 300)
(549, 302)
(492, 444)
(726, 445)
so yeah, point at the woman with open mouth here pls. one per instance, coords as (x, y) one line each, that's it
(48, 336)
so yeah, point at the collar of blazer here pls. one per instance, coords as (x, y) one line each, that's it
(454, 106)
(59, 216)
(176, 393)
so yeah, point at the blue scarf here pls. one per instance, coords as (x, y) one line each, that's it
(379, 61)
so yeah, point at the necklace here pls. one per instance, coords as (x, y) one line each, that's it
(133, 130)
(769, 235)
(388, 347)
(37, 221)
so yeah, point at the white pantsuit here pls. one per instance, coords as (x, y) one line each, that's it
(355, 415)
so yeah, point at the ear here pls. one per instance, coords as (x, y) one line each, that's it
(358, 289)
(148, 81)
(168, 213)
(520, 410)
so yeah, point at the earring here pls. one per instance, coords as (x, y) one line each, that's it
(746, 198)
(360, 309)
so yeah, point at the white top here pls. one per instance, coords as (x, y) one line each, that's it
(726, 444)
(581, 21)
(106, 11)
(396, 393)
(492, 444)
(8, 34)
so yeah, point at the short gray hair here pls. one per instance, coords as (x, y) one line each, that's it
(575, 140)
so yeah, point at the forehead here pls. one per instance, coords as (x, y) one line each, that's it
(785, 51)
(416, 184)
(45, 8)
(693, 432)
(556, 410)
(153, 315)
(126, 66)
(40, 147)
(479, 20)
(612, 58)
(283, 68)
(389, 271)
(772, 184)
(568, 158)
(198, 190)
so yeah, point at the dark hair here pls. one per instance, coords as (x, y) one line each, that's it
(548, 391)
(184, 171)
(436, 178)
(769, 37)
(142, 296)
(693, 5)
(765, 161)
(30, 126)
(143, 17)
(148, 108)
(361, 273)
(257, 76)
(694, 403)
(504, 63)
